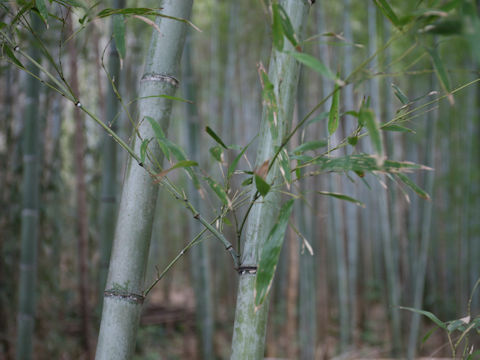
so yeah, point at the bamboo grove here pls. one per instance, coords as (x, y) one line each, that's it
(288, 179)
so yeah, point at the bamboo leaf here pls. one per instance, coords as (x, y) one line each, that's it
(334, 112)
(262, 186)
(247, 181)
(180, 164)
(42, 9)
(428, 314)
(310, 145)
(367, 117)
(400, 94)
(160, 136)
(406, 180)
(12, 56)
(388, 12)
(128, 11)
(215, 137)
(314, 64)
(287, 27)
(119, 34)
(143, 149)
(440, 70)
(219, 191)
(396, 127)
(233, 165)
(216, 152)
(277, 30)
(428, 334)
(364, 163)
(342, 197)
(270, 254)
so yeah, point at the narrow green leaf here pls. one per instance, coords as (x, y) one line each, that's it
(233, 165)
(364, 163)
(314, 64)
(320, 117)
(428, 334)
(458, 324)
(367, 117)
(160, 136)
(42, 9)
(342, 197)
(406, 180)
(215, 137)
(11, 55)
(247, 181)
(180, 164)
(400, 94)
(287, 27)
(428, 314)
(270, 254)
(439, 69)
(119, 34)
(143, 149)
(310, 145)
(216, 151)
(277, 30)
(219, 191)
(396, 127)
(334, 112)
(128, 11)
(262, 186)
(388, 11)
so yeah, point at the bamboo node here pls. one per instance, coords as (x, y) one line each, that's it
(169, 79)
(250, 270)
(123, 295)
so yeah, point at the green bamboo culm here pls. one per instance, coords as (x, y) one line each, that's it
(250, 323)
(199, 257)
(125, 282)
(109, 168)
(29, 230)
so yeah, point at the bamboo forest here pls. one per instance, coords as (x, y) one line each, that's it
(245, 180)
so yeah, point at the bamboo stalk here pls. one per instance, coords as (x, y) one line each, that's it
(109, 167)
(81, 198)
(250, 322)
(199, 256)
(29, 227)
(124, 290)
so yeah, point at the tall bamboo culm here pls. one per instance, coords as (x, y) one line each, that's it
(29, 232)
(109, 167)
(250, 323)
(199, 257)
(125, 283)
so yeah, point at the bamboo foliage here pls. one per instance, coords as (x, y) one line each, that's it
(29, 232)
(250, 322)
(125, 283)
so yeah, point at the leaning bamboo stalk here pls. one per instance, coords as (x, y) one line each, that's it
(29, 227)
(250, 322)
(125, 283)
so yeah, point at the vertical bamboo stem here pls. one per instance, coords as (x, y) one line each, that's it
(250, 322)
(199, 256)
(124, 290)
(29, 224)
(109, 167)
